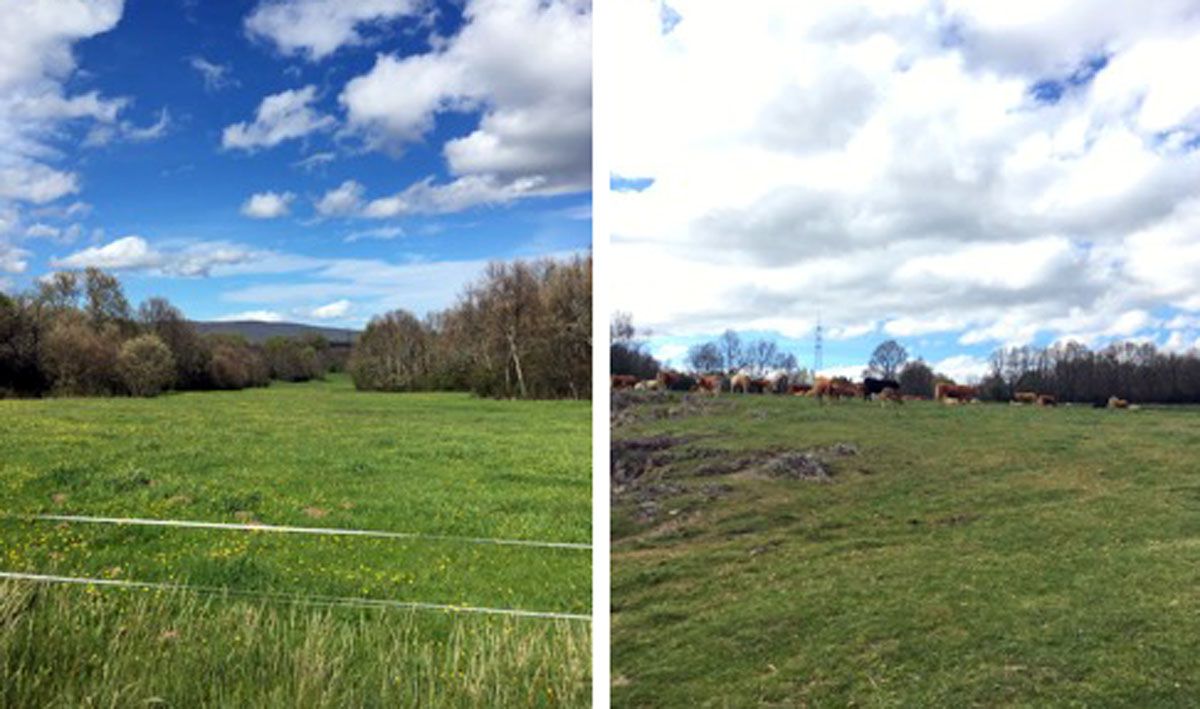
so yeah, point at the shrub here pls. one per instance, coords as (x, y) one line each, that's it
(146, 366)
(392, 354)
(78, 359)
(236, 365)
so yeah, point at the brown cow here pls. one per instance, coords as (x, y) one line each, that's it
(801, 389)
(836, 388)
(1025, 397)
(711, 383)
(955, 392)
(624, 381)
(1116, 403)
(844, 388)
(1047, 400)
(740, 382)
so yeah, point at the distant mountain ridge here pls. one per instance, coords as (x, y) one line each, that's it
(257, 331)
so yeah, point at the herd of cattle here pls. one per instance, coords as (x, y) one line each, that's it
(883, 390)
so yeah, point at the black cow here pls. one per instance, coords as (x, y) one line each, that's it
(871, 385)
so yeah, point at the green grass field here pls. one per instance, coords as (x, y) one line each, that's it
(317, 455)
(973, 555)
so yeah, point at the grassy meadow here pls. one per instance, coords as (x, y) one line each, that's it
(317, 454)
(956, 556)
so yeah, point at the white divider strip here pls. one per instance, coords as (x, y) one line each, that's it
(293, 598)
(330, 531)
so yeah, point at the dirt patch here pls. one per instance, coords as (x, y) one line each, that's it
(315, 512)
(59, 498)
(629, 406)
(798, 466)
(633, 457)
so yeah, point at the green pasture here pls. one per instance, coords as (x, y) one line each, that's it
(974, 555)
(317, 454)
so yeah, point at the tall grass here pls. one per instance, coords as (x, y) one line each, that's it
(72, 647)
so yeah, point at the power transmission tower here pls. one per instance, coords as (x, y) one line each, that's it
(818, 347)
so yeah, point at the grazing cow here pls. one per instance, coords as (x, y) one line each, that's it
(837, 388)
(676, 381)
(844, 388)
(648, 385)
(1115, 403)
(872, 386)
(957, 393)
(711, 383)
(760, 385)
(740, 382)
(800, 389)
(624, 381)
(1025, 397)
(778, 383)
(1047, 400)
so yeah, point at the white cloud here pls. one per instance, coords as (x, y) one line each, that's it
(36, 60)
(268, 205)
(283, 116)
(962, 368)
(314, 161)
(344, 200)
(382, 233)
(332, 311)
(105, 133)
(671, 354)
(891, 164)
(215, 76)
(317, 28)
(192, 259)
(126, 253)
(534, 133)
(29, 181)
(253, 316)
(13, 259)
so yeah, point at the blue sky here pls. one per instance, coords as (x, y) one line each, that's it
(955, 175)
(293, 159)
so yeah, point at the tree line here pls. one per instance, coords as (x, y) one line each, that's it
(76, 334)
(523, 330)
(1073, 372)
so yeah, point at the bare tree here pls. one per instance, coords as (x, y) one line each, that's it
(887, 359)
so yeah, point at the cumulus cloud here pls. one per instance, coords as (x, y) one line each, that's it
(913, 168)
(343, 200)
(332, 311)
(126, 253)
(268, 205)
(283, 116)
(252, 315)
(188, 259)
(13, 259)
(316, 29)
(36, 60)
(534, 132)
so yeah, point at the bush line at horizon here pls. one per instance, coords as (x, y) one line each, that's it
(523, 330)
